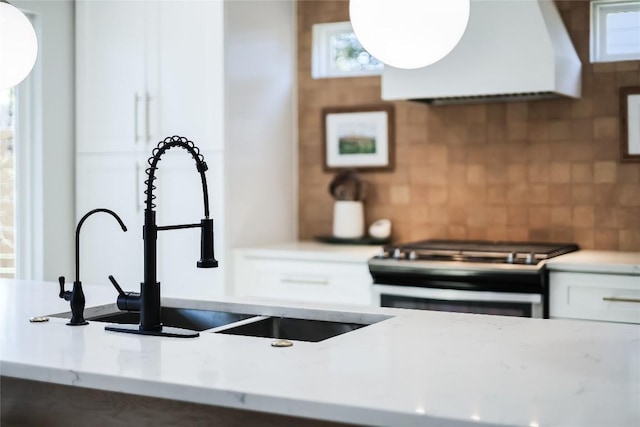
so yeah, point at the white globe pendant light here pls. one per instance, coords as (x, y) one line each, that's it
(409, 33)
(18, 46)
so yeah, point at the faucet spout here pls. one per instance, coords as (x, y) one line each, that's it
(84, 218)
(207, 258)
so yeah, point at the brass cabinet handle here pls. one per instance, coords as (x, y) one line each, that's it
(136, 99)
(138, 198)
(147, 100)
(615, 299)
(305, 281)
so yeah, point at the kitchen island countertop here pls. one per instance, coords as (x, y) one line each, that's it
(415, 368)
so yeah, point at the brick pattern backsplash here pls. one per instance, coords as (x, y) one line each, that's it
(539, 170)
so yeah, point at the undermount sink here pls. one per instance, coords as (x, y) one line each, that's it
(233, 319)
(292, 329)
(184, 318)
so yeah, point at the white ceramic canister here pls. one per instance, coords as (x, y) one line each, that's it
(348, 219)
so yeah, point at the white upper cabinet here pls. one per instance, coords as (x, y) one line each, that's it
(147, 70)
(189, 85)
(110, 73)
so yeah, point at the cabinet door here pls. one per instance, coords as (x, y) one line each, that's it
(110, 67)
(188, 88)
(303, 280)
(113, 182)
(180, 201)
(595, 296)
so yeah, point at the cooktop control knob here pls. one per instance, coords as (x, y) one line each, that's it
(382, 254)
(413, 255)
(529, 259)
(398, 254)
(511, 257)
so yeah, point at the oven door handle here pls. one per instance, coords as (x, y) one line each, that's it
(455, 295)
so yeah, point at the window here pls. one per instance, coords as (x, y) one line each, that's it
(7, 199)
(615, 30)
(336, 52)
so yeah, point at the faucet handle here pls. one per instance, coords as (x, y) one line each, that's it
(66, 295)
(116, 285)
(128, 301)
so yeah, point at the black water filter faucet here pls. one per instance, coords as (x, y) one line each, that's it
(76, 295)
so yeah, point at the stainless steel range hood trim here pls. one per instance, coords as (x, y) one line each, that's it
(512, 50)
(454, 100)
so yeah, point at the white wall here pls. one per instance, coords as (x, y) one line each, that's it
(51, 223)
(260, 121)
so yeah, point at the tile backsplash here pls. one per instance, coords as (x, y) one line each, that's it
(543, 170)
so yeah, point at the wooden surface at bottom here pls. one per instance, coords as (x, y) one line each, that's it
(33, 403)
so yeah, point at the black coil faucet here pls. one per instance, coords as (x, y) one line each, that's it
(76, 296)
(148, 300)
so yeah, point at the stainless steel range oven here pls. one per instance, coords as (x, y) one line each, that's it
(503, 278)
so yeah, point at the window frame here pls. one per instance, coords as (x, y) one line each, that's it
(598, 31)
(321, 53)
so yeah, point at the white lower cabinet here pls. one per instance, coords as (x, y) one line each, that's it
(113, 182)
(595, 296)
(180, 201)
(305, 279)
(116, 182)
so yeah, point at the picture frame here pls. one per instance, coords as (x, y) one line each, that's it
(359, 137)
(630, 124)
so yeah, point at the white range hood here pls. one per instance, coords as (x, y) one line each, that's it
(511, 50)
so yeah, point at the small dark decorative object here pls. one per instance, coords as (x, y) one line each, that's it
(347, 185)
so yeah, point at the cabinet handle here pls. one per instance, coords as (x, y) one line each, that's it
(136, 98)
(305, 281)
(147, 101)
(138, 198)
(615, 299)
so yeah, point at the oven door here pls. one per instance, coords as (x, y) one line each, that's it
(480, 302)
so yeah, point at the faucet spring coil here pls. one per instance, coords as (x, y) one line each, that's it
(163, 146)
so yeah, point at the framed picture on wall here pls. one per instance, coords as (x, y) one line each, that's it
(630, 124)
(360, 137)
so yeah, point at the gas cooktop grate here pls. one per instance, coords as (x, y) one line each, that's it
(487, 249)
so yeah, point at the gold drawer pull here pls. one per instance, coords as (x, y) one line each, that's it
(305, 281)
(615, 299)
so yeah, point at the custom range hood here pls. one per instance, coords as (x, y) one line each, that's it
(511, 50)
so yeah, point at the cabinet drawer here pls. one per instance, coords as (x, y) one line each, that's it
(606, 297)
(307, 281)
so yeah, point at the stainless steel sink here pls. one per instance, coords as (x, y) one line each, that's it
(292, 329)
(185, 318)
(243, 319)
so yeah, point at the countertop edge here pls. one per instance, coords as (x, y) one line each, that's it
(188, 393)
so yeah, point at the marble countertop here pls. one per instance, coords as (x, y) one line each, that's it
(415, 368)
(590, 261)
